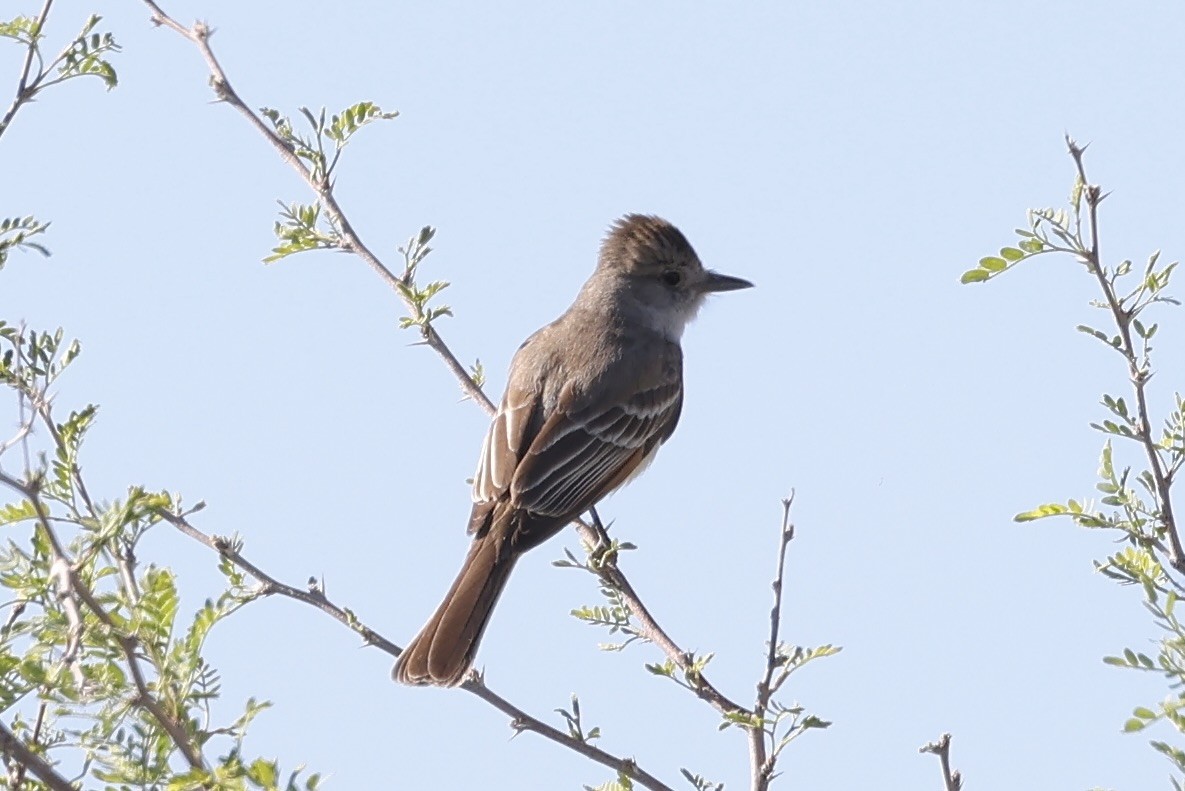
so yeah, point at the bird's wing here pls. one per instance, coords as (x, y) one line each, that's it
(584, 451)
(550, 454)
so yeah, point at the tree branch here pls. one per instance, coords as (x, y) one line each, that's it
(1139, 376)
(25, 92)
(597, 539)
(72, 590)
(521, 721)
(952, 780)
(312, 596)
(474, 684)
(761, 765)
(199, 35)
(20, 752)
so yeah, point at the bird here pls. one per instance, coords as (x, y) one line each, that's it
(589, 399)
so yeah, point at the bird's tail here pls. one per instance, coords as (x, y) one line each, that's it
(443, 651)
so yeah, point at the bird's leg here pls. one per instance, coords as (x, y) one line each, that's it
(601, 529)
(598, 554)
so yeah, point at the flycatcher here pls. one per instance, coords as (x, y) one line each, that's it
(589, 399)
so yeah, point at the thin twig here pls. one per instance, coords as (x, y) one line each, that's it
(37, 725)
(25, 92)
(41, 405)
(952, 780)
(594, 535)
(23, 404)
(199, 35)
(26, 427)
(270, 585)
(59, 571)
(21, 753)
(18, 775)
(521, 721)
(315, 597)
(124, 559)
(761, 764)
(1139, 376)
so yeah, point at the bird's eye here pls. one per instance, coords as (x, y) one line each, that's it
(672, 277)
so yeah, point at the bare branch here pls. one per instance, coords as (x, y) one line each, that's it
(952, 780)
(761, 765)
(521, 721)
(26, 427)
(312, 596)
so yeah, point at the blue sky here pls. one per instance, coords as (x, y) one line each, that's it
(851, 159)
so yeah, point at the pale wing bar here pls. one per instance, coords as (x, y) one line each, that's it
(500, 451)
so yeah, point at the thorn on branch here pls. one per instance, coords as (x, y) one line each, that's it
(952, 779)
(1076, 150)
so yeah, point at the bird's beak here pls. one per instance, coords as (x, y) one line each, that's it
(718, 282)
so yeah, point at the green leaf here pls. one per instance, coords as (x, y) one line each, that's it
(1011, 253)
(993, 264)
(14, 512)
(1133, 725)
(1091, 331)
(1106, 468)
(264, 773)
(975, 276)
(1041, 511)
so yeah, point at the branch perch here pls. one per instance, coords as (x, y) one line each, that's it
(1139, 377)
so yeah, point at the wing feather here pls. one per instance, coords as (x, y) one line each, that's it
(504, 445)
(596, 449)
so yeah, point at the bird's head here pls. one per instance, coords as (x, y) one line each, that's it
(660, 270)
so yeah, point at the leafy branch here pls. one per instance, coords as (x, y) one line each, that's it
(85, 56)
(770, 725)
(16, 233)
(1137, 500)
(95, 643)
(307, 156)
(337, 131)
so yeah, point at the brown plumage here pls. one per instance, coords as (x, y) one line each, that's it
(590, 398)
